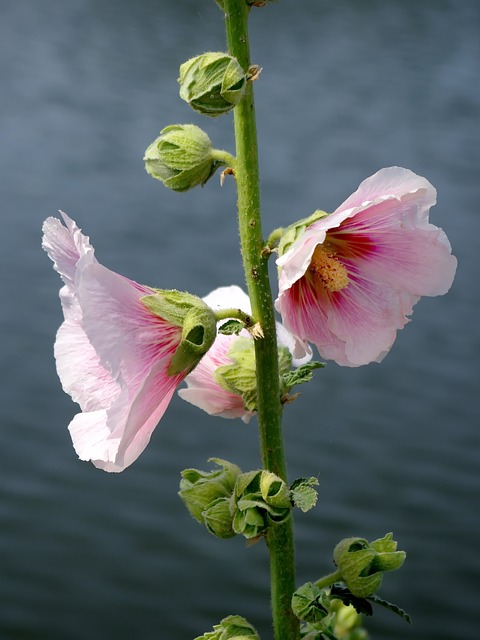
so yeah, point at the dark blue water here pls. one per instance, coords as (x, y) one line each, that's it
(347, 87)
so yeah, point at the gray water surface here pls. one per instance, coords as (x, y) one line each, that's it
(347, 87)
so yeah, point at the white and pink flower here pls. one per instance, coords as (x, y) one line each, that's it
(351, 279)
(112, 353)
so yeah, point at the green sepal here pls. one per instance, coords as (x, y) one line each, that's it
(212, 83)
(295, 230)
(240, 377)
(197, 320)
(231, 628)
(303, 495)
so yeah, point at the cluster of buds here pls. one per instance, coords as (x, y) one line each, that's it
(229, 502)
(183, 157)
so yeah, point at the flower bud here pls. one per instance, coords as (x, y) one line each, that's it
(231, 628)
(182, 157)
(212, 83)
(259, 498)
(362, 563)
(218, 518)
(200, 491)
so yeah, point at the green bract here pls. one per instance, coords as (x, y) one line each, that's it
(182, 157)
(212, 83)
(362, 563)
(197, 320)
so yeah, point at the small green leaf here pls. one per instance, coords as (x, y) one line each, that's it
(303, 494)
(391, 607)
(304, 373)
(231, 327)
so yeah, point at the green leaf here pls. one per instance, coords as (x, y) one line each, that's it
(303, 494)
(304, 373)
(391, 607)
(231, 327)
(363, 606)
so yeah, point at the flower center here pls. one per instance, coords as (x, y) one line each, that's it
(329, 269)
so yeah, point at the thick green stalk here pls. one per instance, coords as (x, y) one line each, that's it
(279, 537)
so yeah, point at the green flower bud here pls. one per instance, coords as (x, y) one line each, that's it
(199, 326)
(231, 628)
(183, 157)
(212, 83)
(218, 518)
(200, 490)
(310, 603)
(362, 563)
(259, 498)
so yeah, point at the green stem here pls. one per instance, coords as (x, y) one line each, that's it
(269, 410)
(326, 581)
(223, 157)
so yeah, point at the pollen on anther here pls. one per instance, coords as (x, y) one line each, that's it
(329, 269)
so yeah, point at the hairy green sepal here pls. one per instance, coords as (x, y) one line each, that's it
(240, 377)
(196, 319)
(295, 230)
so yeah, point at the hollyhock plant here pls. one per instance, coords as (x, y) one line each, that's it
(349, 280)
(122, 349)
(203, 384)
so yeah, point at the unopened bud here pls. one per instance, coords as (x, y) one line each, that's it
(182, 157)
(362, 563)
(212, 83)
(201, 489)
(231, 628)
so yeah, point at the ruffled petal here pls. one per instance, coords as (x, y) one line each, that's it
(112, 352)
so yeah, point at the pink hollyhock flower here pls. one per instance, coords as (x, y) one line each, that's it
(348, 282)
(113, 353)
(203, 390)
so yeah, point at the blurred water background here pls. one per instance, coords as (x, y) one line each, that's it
(348, 86)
